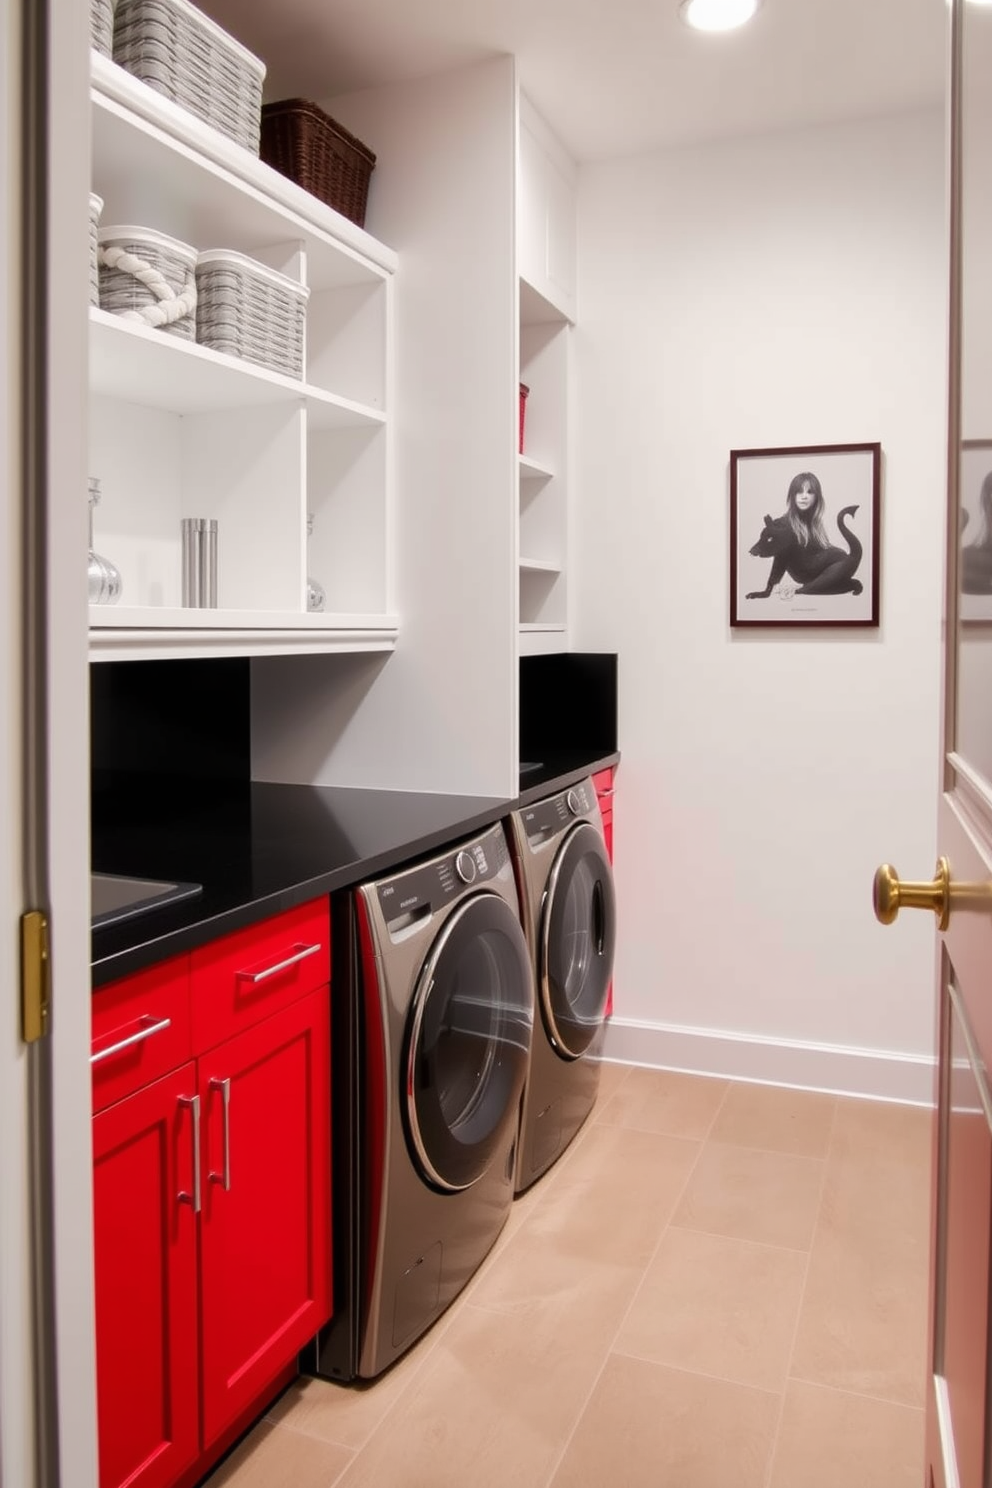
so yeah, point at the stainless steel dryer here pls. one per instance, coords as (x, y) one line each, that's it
(569, 915)
(446, 1012)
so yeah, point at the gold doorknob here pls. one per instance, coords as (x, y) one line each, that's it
(890, 894)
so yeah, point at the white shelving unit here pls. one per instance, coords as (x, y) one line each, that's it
(542, 476)
(179, 430)
(546, 296)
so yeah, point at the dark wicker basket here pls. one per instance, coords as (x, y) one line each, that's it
(305, 144)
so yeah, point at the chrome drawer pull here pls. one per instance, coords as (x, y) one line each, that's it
(302, 952)
(224, 1086)
(133, 1038)
(193, 1101)
(602, 795)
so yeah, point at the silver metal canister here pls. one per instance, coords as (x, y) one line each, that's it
(199, 557)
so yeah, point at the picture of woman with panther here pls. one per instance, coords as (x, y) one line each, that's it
(804, 509)
(786, 568)
(803, 559)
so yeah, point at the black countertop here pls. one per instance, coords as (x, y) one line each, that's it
(261, 848)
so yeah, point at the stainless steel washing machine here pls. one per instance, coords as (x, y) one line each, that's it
(445, 1004)
(569, 915)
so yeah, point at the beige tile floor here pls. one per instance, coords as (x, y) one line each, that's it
(719, 1285)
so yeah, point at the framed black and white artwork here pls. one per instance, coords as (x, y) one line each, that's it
(804, 535)
(975, 530)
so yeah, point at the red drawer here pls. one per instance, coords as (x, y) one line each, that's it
(603, 781)
(140, 1030)
(243, 977)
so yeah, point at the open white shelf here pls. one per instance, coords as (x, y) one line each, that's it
(177, 429)
(138, 364)
(541, 640)
(542, 474)
(158, 165)
(537, 309)
(122, 633)
(533, 470)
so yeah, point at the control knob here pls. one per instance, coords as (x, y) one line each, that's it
(465, 867)
(575, 803)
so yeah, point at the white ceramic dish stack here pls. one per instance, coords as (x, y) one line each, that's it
(148, 277)
(245, 309)
(183, 54)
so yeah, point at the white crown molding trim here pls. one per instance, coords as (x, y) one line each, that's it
(878, 1074)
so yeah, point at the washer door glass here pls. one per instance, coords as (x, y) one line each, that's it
(469, 1042)
(578, 936)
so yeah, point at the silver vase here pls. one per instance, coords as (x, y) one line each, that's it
(105, 582)
(316, 598)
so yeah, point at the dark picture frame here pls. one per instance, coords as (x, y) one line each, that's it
(804, 535)
(975, 531)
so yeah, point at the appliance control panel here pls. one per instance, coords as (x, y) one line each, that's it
(552, 816)
(419, 891)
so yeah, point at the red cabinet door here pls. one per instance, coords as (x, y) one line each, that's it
(145, 1282)
(265, 1236)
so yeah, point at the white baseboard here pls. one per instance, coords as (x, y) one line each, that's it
(877, 1073)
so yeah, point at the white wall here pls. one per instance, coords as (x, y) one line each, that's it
(439, 714)
(765, 292)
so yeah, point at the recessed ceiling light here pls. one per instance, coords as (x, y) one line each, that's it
(719, 15)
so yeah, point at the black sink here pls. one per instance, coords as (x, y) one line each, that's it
(114, 897)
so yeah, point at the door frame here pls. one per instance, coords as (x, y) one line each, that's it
(64, 615)
(47, 1393)
(17, 1407)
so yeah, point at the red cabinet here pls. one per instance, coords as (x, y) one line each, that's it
(212, 1190)
(265, 1242)
(603, 782)
(140, 1030)
(250, 973)
(145, 1279)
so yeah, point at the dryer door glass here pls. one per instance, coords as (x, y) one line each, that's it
(468, 1042)
(578, 936)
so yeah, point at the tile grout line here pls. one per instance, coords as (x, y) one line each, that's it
(720, 1379)
(802, 1299)
(609, 1350)
(740, 1239)
(857, 1394)
(442, 1323)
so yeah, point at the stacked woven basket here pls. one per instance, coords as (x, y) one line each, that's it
(220, 298)
(189, 59)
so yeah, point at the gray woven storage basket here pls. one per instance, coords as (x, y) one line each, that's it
(149, 255)
(247, 310)
(183, 54)
(102, 26)
(96, 207)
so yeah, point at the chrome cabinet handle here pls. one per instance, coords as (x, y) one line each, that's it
(602, 795)
(193, 1101)
(224, 1178)
(302, 952)
(132, 1039)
